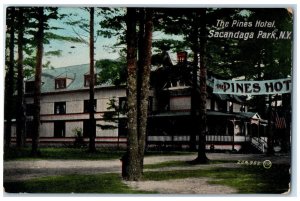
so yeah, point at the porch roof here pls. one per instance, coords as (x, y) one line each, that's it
(247, 115)
(187, 113)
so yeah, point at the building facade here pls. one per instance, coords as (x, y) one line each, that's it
(65, 100)
(64, 106)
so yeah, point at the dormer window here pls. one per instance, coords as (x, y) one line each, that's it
(60, 83)
(181, 57)
(87, 80)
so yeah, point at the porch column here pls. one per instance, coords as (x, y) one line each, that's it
(233, 122)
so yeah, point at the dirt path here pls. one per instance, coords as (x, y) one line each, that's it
(182, 186)
(24, 170)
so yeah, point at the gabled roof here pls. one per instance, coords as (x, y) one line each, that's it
(248, 115)
(75, 73)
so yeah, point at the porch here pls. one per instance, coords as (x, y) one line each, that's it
(213, 142)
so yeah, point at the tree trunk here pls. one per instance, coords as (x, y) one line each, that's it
(203, 73)
(140, 69)
(92, 134)
(10, 80)
(131, 171)
(145, 68)
(37, 89)
(20, 119)
(194, 93)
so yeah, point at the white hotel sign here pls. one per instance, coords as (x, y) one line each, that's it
(278, 86)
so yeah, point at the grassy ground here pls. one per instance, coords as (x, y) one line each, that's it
(76, 154)
(100, 183)
(182, 164)
(246, 179)
(62, 153)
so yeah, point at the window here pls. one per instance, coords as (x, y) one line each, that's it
(29, 86)
(60, 108)
(29, 129)
(181, 57)
(59, 129)
(122, 128)
(230, 107)
(87, 79)
(86, 105)
(60, 83)
(122, 104)
(243, 108)
(86, 128)
(29, 109)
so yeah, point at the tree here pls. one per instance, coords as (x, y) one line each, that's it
(26, 21)
(111, 71)
(131, 160)
(143, 86)
(191, 26)
(203, 74)
(20, 118)
(42, 25)
(10, 77)
(86, 27)
(137, 88)
(38, 82)
(92, 134)
(194, 92)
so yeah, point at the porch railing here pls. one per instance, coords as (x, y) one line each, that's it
(260, 143)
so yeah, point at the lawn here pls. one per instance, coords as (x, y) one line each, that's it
(246, 179)
(100, 183)
(62, 153)
(182, 163)
(59, 153)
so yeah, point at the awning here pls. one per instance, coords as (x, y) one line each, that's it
(216, 113)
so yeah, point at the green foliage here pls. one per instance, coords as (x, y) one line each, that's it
(79, 140)
(100, 183)
(169, 44)
(53, 53)
(113, 23)
(115, 110)
(111, 71)
(61, 153)
(253, 58)
(247, 179)
(182, 164)
(254, 179)
(231, 58)
(77, 131)
(54, 36)
(30, 30)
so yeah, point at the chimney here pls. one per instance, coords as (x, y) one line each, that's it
(181, 57)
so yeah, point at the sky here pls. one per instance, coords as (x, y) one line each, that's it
(77, 53)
